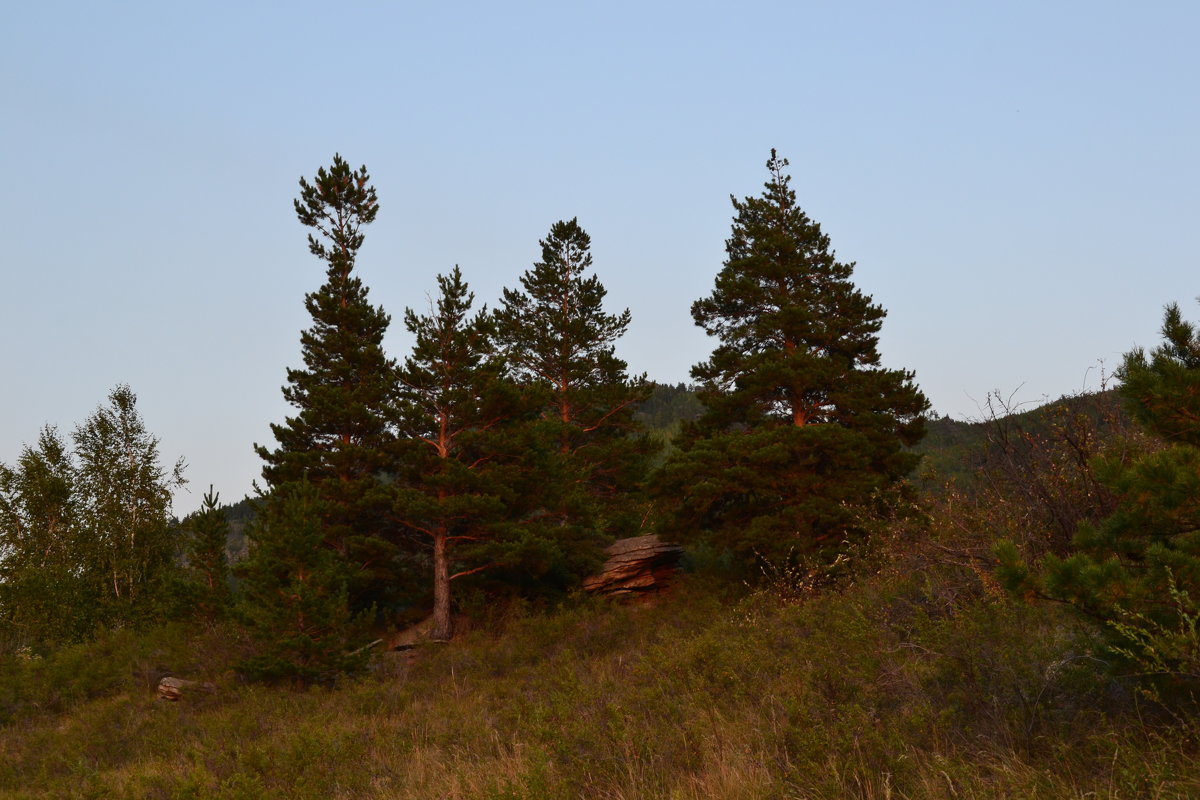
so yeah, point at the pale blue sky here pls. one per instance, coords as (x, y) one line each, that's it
(1017, 182)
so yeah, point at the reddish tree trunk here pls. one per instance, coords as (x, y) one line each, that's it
(442, 628)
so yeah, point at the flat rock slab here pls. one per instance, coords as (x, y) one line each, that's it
(637, 565)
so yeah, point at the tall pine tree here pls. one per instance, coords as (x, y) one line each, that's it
(559, 340)
(801, 423)
(454, 405)
(339, 439)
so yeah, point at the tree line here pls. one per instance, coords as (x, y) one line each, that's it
(507, 449)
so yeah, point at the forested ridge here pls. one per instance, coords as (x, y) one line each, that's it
(875, 602)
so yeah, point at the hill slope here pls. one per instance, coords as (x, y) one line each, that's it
(914, 683)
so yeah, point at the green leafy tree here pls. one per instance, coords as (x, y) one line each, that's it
(124, 497)
(86, 535)
(454, 406)
(339, 439)
(294, 599)
(801, 422)
(206, 534)
(44, 594)
(559, 341)
(1138, 570)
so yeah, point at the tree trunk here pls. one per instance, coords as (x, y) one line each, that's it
(442, 629)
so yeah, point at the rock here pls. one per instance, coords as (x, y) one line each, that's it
(170, 688)
(637, 566)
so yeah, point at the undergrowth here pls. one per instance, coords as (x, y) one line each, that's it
(909, 683)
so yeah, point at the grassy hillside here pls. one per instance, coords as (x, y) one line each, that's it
(916, 681)
(914, 677)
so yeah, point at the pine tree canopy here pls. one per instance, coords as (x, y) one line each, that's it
(294, 599)
(798, 341)
(801, 422)
(207, 533)
(339, 439)
(556, 333)
(1163, 391)
(559, 341)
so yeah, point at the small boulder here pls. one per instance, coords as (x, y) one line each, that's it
(170, 688)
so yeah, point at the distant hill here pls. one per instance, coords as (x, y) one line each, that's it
(239, 516)
(955, 449)
(952, 449)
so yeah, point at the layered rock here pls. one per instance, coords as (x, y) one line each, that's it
(637, 566)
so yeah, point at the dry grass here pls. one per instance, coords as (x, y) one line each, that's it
(889, 689)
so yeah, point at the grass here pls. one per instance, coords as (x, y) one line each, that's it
(910, 683)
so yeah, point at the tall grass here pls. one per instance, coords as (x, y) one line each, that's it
(908, 684)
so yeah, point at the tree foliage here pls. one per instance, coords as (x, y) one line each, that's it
(206, 534)
(454, 403)
(1138, 570)
(294, 598)
(339, 439)
(86, 535)
(44, 592)
(801, 422)
(125, 499)
(559, 340)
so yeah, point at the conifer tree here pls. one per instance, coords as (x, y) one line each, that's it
(801, 423)
(559, 341)
(207, 532)
(339, 439)
(294, 599)
(1138, 571)
(454, 403)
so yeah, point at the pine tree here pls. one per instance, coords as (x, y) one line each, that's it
(1138, 571)
(207, 532)
(801, 423)
(1162, 390)
(454, 403)
(558, 340)
(294, 599)
(339, 439)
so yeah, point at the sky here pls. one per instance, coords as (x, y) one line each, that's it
(1017, 183)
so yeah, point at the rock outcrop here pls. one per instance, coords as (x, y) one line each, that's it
(638, 566)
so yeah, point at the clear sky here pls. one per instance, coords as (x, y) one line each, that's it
(1018, 182)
